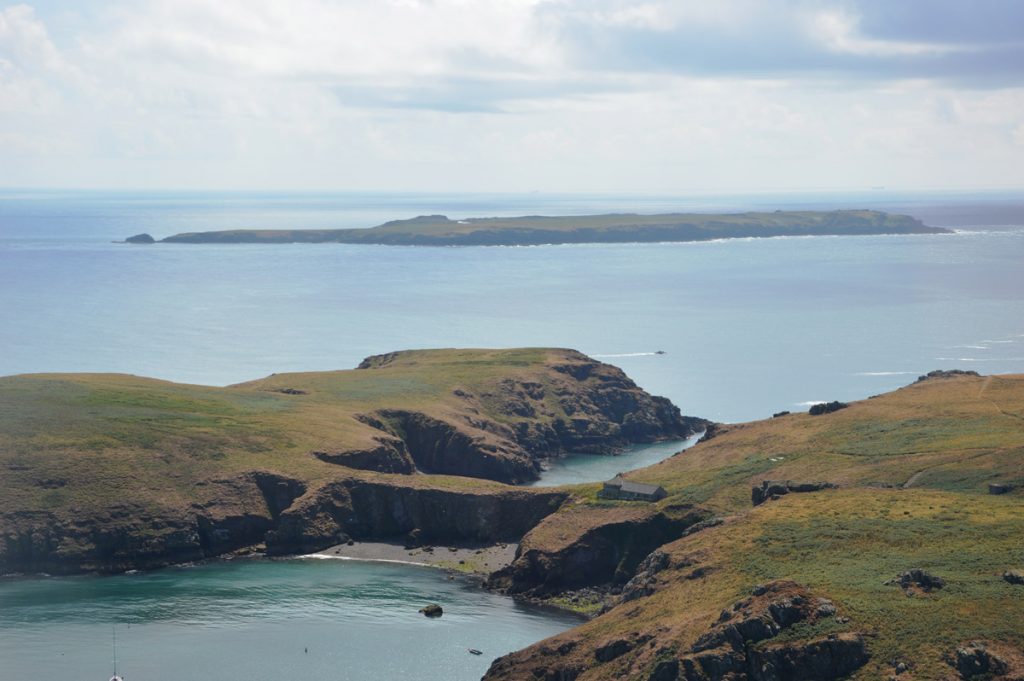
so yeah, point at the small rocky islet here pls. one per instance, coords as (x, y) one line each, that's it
(860, 542)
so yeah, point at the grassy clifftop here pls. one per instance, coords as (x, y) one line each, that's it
(438, 230)
(736, 596)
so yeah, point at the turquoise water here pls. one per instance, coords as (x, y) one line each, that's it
(254, 620)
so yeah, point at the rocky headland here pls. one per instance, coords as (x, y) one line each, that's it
(860, 543)
(110, 472)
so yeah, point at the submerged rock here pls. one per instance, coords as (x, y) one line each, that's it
(432, 610)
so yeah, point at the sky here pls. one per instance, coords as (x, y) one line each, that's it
(513, 95)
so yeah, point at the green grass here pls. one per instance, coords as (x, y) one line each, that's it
(105, 432)
(947, 438)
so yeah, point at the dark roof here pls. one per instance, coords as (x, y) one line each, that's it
(632, 487)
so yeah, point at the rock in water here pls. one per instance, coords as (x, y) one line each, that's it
(432, 610)
(140, 239)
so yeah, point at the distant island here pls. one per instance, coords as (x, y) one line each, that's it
(532, 230)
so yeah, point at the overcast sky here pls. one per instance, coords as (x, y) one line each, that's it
(512, 95)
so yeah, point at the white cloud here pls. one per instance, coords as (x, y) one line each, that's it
(839, 31)
(456, 94)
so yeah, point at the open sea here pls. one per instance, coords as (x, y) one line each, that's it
(748, 327)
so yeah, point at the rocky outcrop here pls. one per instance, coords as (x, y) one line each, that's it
(450, 448)
(375, 510)
(740, 646)
(946, 373)
(979, 659)
(607, 552)
(390, 455)
(832, 657)
(504, 433)
(918, 581)
(645, 580)
(826, 408)
(773, 489)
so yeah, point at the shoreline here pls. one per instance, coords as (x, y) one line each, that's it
(478, 560)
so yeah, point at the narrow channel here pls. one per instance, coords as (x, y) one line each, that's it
(580, 468)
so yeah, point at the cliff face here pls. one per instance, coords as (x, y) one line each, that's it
(369, 510)
(263, 509)
(504, 431)
(238, 512)
(586, 547)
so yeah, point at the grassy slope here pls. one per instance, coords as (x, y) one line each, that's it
(953, 434)
(846, 545)
(438, 228)
(943, 439)
(79, 440)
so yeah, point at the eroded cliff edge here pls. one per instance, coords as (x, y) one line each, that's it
(111, 472)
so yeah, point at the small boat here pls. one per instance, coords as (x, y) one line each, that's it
(474, 651)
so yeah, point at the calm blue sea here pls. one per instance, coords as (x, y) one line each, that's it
(748, 327)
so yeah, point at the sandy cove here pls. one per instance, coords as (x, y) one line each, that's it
(472, 559)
